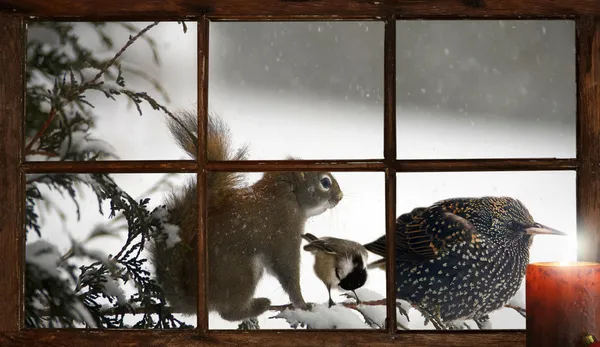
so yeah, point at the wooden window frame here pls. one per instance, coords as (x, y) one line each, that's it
(13, 15)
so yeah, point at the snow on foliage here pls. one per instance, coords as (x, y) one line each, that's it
(322, 317)
(171, 231)
(45, 256)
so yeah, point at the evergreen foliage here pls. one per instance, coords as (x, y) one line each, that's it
(82, 288)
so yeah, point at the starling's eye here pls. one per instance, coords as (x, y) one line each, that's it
(512, 225)
(326, 183)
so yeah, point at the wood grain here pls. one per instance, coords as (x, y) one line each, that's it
(455, 165)
(262, 339)
(120, 166)
(11, 109)
(171, 9)
(182, 166)
(450, 165)
(389, 139)
(202, 311)
(588, 138)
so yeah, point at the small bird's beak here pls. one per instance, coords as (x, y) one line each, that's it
(539, 229)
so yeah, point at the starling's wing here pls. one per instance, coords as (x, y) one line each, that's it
(425, 234)
(422, 233)
(378, 246)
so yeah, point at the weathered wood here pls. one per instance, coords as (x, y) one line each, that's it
(588, 138)
(239, 8)
(202, 312)
(183, 166)
(116, 166)
(262, 339)
(455, 165)
(410, 165)
(11, 198)
(389, 139)
(450, 165)
(390, 241)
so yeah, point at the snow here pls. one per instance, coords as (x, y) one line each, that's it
(112, 288)
(376, 314)
(87, 178)
(40, 178)
(83, 314)
(323, 317)
(366, 294)
(172, 232)
(401, 319)
(43, 255)
(89, 74)
(80, 141)
(161, 213)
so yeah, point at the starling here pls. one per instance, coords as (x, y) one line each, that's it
(462, 258)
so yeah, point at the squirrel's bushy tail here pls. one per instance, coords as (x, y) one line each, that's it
(176, 266)
(184, 128)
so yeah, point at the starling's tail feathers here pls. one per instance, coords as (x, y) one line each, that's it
(377, 247)
(377, 264)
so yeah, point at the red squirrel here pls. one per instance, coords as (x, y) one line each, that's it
(250, 229)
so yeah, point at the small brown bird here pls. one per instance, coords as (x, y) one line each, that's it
(338, 263)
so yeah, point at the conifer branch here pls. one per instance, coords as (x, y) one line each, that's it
(84, 86)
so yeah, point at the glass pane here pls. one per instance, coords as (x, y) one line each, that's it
(82, 105)
(309, 89)
(485, 89)
(548, 197)
(255, 249)
(91, 246)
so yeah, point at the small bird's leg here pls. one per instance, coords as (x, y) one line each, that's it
(331, 303)
(356, 296)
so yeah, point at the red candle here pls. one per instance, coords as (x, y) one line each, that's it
(562, 303)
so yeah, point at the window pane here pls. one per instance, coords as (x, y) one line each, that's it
(89, 257)
(114, 113)
(485, 89)
(549, 197)
(254, 239)
(309, 89)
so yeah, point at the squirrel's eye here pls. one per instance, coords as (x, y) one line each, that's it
(326, 182)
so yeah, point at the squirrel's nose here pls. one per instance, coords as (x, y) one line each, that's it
(339, 196)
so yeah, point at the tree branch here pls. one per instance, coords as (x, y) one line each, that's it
(84, 86)
(521, 310)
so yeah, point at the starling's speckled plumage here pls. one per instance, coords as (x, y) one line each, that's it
(462, 258)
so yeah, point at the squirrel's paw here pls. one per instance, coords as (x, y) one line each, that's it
(260, 305)
(305, 306)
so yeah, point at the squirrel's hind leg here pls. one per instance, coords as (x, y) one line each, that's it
(233, 293)
(255, 307)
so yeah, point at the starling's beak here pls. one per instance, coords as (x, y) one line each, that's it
(539, 229)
